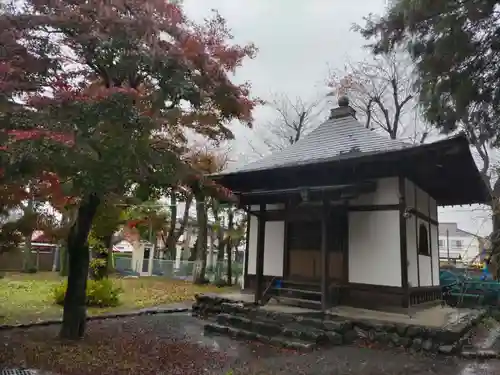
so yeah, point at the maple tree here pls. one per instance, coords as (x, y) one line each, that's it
(122, 81)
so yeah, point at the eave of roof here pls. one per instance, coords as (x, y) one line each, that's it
(365, 146)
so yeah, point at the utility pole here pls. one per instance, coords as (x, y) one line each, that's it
(448, 244)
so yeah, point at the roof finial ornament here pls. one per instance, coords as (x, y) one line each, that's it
(343, 110)
(343, 101)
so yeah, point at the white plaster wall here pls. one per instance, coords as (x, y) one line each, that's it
(425, 270)
(409, 193)
(374, 248)
(273, 247)
(422, 201)
(433, 208)
(435, 254)
(252, 246)
(424, 260)
(427, 206)
(411, 250)
(387, 193)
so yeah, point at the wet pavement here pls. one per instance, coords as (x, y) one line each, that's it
(254, 358)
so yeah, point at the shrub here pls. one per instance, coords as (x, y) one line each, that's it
(100, 293)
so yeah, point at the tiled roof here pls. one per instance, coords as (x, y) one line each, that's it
(338, 138)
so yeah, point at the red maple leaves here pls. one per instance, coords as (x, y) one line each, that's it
(46, 185)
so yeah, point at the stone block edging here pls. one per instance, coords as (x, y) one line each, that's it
(445, 340)
(480, 354)
(150, 311)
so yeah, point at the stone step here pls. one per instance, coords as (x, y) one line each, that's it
(270, 327)
(260, 326)
(299, 302)
(237, 333)
(479, 354)
(307, 284)
(324, 322)
(297, 290)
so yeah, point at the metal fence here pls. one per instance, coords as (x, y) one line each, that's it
(183, 270)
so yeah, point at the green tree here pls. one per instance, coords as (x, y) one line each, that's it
(115, 78)
(109, 217)
(456, 49)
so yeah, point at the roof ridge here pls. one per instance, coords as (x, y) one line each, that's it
(335, 137)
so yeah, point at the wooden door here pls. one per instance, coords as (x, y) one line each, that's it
(304, 250)
(336, 250)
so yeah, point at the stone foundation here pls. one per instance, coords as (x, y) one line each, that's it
(211, 304)
(246, 320)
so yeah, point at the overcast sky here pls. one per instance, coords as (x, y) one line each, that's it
(298, 41)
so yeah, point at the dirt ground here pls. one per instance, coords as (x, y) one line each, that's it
(174, 344)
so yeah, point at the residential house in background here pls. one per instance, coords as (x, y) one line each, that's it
(44, 254)
(458, 245)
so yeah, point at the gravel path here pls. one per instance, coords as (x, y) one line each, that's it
(174, 344)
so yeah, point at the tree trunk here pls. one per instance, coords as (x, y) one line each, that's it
(57, 256)
(185, 253)
(220, 239)
(494, 260)
(27, 256)
(63, 245)
(63, 256)
(210, 249)
(110, 267)
(194, 249)
(74, 314)
(229, 247)
(37, 264)
(173, 234)
(201, 249)
(171, 241)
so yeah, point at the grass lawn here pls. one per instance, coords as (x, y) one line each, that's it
(29, 297)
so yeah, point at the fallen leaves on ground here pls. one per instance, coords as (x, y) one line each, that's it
(28, 297)
(174, 345)
(108, 348)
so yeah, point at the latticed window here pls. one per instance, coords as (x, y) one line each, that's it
(423, 240)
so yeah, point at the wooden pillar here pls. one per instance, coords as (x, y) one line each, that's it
(324, 255)
(261, 236)
(405, 301)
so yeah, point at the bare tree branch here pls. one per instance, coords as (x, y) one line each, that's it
(382, 91)
(294, 119)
